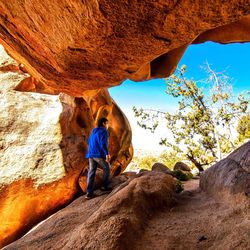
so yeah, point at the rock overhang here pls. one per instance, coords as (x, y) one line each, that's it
(81, 47)
(86, 45)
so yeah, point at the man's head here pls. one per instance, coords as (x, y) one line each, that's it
(103, 122)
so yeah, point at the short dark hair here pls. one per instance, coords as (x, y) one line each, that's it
(101, 121)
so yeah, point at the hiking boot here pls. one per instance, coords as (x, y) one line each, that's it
(106, 189)
(89, 196)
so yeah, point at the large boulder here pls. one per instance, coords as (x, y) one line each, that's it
(76, 46)
(43, 141)
(106, 222)
(182, 166)
(229, 179)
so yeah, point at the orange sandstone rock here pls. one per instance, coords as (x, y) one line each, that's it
(76, 46)
(43, 141)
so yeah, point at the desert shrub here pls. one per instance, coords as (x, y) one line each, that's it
(179, 186)
(144, 162)
(181, 175)
(169, 158)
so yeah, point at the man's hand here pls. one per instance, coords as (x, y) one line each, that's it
(107, 158)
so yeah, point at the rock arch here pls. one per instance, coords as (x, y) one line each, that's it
(82, 47)
(73, 47)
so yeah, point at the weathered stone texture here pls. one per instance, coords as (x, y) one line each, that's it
(107, 222)
(76, 46)
(43, 141)
(229, 179)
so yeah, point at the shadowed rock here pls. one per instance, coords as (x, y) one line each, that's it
(159, 167)
(182, 166)
(229, 179)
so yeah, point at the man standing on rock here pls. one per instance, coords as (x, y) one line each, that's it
(98, 155)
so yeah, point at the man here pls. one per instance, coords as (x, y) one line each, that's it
(98, 155)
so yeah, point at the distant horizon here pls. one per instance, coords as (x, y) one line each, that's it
(234, 58)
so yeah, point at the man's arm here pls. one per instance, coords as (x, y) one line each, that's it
(104, 145)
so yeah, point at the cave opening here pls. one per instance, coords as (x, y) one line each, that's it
(230, 59)
(77, 47)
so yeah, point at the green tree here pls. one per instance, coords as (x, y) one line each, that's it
(243, 128)
(202, 126)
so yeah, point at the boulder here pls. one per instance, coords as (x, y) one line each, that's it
(75, 46)
(106, 222)
(182, 166)
(43, 141)
(229, 179)
(161, 168)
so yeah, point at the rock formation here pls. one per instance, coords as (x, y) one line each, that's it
(76, 46)
(43, 140)
(80, 48)
(106, 222)
(229, 179)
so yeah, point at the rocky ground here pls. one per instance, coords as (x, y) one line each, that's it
(197, 221)
(143, 213)
(109, 221)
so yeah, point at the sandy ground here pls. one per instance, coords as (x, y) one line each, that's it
(198, 221)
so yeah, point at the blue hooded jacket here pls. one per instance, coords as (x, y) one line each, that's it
(98, 143)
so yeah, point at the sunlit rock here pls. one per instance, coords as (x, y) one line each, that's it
(43, 141)
(115, 221)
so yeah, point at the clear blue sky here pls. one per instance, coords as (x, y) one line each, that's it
(235, 58)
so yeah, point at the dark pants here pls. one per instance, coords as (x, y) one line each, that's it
(93, 163)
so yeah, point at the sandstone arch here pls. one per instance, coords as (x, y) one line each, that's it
(82, 47)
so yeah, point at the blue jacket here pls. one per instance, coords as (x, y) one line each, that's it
(98, 143)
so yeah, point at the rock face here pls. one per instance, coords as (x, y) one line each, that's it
(106, 222)
(43, 141)
(76, 46)
(229, 179)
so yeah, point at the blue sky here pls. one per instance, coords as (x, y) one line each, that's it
(235, 58)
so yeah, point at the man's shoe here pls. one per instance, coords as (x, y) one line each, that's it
(89, 196)
(106, 189)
